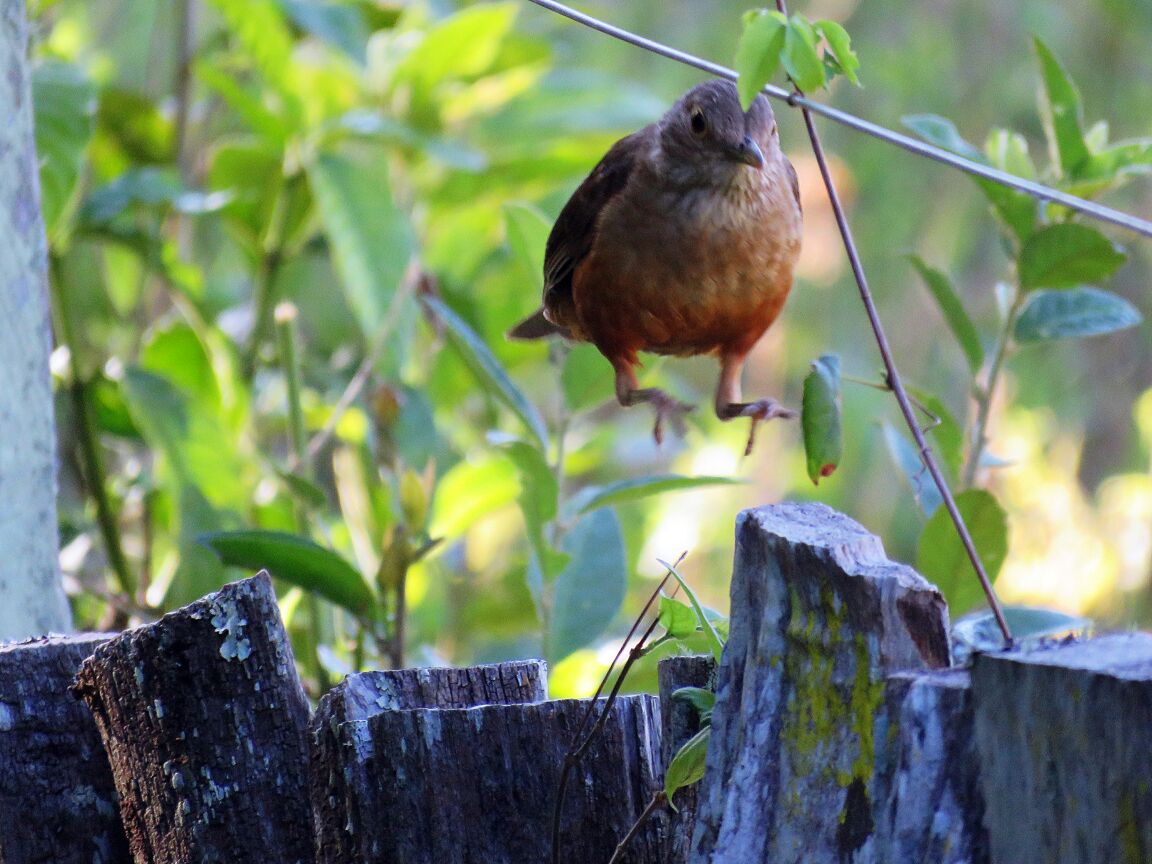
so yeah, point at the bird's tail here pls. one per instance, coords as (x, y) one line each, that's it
(536, 326)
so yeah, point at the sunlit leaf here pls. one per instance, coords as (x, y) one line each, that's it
(372, 243)
(590, 589)
(62, 99)
(339, 24)
(1060, 109)
(942, 559)
(906, 457)
(687, 766)
(712, 627)
(527, 229)
(800, 56)
(260, 29)
(1008, 151)
(295, 560)
(1066, 254)
(1074, 313)
(820, 418)
(471, 490)
(488, 370)
(758, 52)
(955, 315)
(840, 45)
(539, 497)
(677, 618)
(636, 488)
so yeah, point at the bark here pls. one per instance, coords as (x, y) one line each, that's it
(929, 806)
(359, 697)
(477, 785)
(679, 722)
(32, 600)
(57, 800)
(1066, 764)
(205, 725)
(819, 619)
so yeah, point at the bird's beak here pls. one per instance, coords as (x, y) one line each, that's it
(748, 152)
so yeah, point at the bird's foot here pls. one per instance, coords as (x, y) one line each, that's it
(761, 409)
(669, 409)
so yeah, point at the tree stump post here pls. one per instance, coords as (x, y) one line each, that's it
(334, 778)
(205, 725)
(819, 619)
(679, 722)
(1065, 741)
(57, 800)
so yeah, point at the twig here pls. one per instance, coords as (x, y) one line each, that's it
(658, 801)
(912, 145)
(576, 752)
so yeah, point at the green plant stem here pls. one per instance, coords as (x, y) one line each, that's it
(986, 394)
(91, 456)
(264, 279)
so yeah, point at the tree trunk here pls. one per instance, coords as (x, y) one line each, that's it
(819, 619)
(205, 725)
(679, 722)
(57, 800)
(32, 601)
(359, 697)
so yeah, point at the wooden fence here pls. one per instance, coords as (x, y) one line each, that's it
(841, 734)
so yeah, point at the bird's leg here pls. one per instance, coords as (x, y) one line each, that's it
(729, 406)
(628, 394)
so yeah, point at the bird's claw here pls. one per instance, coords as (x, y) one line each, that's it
(672, 409)
(760, 410)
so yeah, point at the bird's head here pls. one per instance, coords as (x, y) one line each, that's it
(707, 137)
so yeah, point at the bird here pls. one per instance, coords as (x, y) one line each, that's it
(682, 241)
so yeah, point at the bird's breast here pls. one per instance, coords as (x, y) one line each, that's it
(690, 271)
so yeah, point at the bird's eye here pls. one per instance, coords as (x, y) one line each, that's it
(699, 124)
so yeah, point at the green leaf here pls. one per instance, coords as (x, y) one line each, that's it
(63, 103)
(265, 40)
(703, 618)
(590, 590)
(979, 631)
(820, 417)
(295, 560)
(943, 133)
(1073, 314)
(527, 229)
(539, 496)
(636, 488)
(132, 121)
(687, 766)
(1066, 254)
(941, 557)
(801, 57)
(677, 618)
(586, 378)
(758, 52)
(471, 490)
(339, 24)
(954, 312)
(947, 436)
(372, 243)
(1008, 151)
(840, 46)
(906, 457)
(303, 490)
(1061, 112)
(488, 370)
(700, 698)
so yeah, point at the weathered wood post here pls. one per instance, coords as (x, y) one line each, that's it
(1065, 741)
(205, 725)
(57, 800)
(334, 777)
(819, 619)
(680, 722)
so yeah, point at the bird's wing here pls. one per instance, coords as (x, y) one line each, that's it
(575, 229)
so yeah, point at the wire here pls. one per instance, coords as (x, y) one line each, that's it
(920, 148)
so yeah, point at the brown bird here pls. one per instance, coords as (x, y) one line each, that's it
(681, 241)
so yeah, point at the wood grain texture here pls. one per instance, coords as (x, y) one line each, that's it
(477, 785)
(820, 617)
(679, 722)
(32, 600)
(57, 799)
(1065, 741)
(205, 725)
(333, 779)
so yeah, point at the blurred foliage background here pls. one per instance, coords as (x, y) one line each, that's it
(287, 237)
